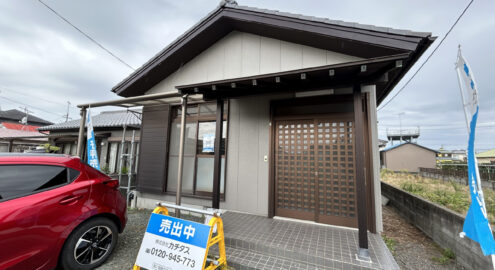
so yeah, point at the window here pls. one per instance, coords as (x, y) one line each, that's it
(199, 150)
(112, 164)
(20, 180)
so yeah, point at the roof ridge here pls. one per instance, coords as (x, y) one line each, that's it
(327, 20)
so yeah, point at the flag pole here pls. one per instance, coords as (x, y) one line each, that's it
(460, 87)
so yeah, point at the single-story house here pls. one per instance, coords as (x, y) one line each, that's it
(279, 115)
(408, 156)
(16, 116)
(450, 156)
(108, 128)
(15, 140)
(382, 144)
(487, 157)
(18, 131)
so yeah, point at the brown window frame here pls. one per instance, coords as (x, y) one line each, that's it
(196, 117)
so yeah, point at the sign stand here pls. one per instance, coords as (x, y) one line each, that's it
(214, 222)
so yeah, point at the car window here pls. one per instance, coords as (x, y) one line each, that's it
(19, 180)
(73, 174)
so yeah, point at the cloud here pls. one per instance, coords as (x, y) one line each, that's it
(43, 58)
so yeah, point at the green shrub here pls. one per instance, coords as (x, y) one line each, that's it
(105, 169)
(447, 256)
(390, 242)
(412, 187)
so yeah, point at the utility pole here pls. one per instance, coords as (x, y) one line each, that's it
(67, 114)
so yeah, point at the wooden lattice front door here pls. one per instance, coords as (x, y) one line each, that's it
(315, 170)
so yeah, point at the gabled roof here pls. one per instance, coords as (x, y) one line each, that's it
(404, 143)
(16, 126)
(12, 134)
(487, 154)
(106, 119)
(366, 41)
(16, 115)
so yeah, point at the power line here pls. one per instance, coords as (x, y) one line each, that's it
(30, 106)
(3, 88)
(429, 56)
(87, 36)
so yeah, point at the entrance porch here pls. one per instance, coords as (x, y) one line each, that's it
(256, 242)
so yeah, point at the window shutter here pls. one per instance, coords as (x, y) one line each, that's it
(152, 168)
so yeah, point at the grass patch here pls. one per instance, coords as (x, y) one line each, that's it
(390, 242)
(449, 194)
(447, 256)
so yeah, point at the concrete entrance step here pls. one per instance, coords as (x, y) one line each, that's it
(241, 259)
(294, 242)
(243, 252)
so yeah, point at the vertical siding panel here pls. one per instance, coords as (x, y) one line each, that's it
(215, 61)
(336, 58)
(313, 57)
(232, 173)
(248, 151)
(250, 54)
(291, 56)
(269, 55)
(242, 54)
(263, 146)
(232, 60)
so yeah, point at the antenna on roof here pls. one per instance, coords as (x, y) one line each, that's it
(24, 120)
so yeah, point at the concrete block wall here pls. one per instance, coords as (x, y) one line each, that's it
(440, 224)
(460, 180)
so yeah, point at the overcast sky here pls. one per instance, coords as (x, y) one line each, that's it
(44, 62)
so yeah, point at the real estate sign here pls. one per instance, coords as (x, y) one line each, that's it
(173, 243)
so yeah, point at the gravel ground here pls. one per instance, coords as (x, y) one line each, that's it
(124, 255)
(413, 249)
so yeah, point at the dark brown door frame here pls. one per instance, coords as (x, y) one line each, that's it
(360, 168)
(217, 162)
(367, 172)
(370, 178)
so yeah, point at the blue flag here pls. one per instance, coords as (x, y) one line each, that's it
(91, 144)
(476, 225)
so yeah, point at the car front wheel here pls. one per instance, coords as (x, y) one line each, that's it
(90, 244)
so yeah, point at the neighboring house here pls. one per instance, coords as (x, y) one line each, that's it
(12, 140)
(408, 156)
(382, 144)
(449, 156)
(487, 157)
(16, 116)
(108, 128)
(299, 96)
(19, 136)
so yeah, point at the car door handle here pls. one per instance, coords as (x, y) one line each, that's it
(70, 199)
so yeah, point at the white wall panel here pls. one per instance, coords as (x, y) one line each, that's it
(242, 54)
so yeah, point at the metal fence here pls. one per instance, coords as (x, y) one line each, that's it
(458, 173)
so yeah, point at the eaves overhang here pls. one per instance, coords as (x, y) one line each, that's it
(347, 38)
(368, 71)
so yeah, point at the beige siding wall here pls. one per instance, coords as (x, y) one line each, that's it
(247, 175)
(242, 54)
(238, 55)
(409, 157)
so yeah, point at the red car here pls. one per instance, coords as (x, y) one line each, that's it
(57, 211)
